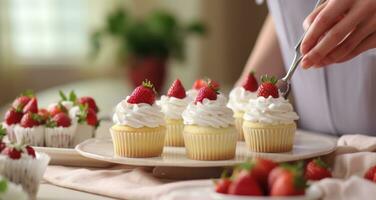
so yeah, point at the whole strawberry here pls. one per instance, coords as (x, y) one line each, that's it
(144, 93)
(90, 102)
(31, 106)
(44, 114)
(223, 185)
(59, 120)
(87, 115)
(245, 184)
(268, 87)
(176, 90)
(288, 183)
(21, 101)
(317, 169)
(59, 108)
(250, 83)
(12, 116)
(260, 169)
(207, 92)
(30, 150)
(198, 84)
(12, 152)
(30, 120)
(214, 84)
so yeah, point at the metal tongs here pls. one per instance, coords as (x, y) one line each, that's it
(297, 58)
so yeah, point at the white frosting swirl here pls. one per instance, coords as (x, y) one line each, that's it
(270, 110)
(138, 115)
(173, 107)
(239, 98)
(213, 113)
(191, 94)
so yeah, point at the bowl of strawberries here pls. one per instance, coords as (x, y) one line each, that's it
(262, 179)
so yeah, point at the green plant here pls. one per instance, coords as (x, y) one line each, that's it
(158, 35)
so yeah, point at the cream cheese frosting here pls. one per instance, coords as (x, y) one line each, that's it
(138, 115)
(270, 110)
(210, 113)
(239, 98)
(173, 107)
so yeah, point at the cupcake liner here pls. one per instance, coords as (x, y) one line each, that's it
(206, 143)
(26, 171)
(83, 132)
(269, 138)
(138, 142)
(10, 132)
(174, 133)
(60, 137)
(32, 136)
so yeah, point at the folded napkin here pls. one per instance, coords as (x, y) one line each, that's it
(350, 161)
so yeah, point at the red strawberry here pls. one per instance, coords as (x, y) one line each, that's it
(90, 102)
(261, 169)
(274, 174)
(91, 118)
(177, 90)
(268, 87)
(12, 152)
(30, 120)
(370, 174)
(245, 184)
(223, 185)
(250, 83)
(317, 170)
(288, 183)
(144, 93)
(12, 116)
(30, 151)
(59, 120)
(20, 102)
(59, 108)
(44, 115)
(31, 106)
(198, 84)
(206, 92)
(214, 84)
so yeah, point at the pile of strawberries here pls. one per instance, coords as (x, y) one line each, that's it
(261, 177)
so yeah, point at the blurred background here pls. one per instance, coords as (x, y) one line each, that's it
(102, 48)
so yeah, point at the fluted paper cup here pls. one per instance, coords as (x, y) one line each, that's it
(238, 116)
(207, 143)
(27, 171)
(269, 138)
(60, 137)
(33, 136)
(10, 132)
(83, 132)
(138, 142)
(174, 133)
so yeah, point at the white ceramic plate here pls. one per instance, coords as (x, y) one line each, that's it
(199, 192)
(307, 145)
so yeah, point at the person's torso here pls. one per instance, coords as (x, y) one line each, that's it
(338, 99)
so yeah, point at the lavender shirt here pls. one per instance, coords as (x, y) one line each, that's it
(338, 99)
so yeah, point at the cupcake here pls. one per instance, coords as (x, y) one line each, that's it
(269, 122)
(9, 190)
(21, 165)
(209, 132)
(85, 115)
(60, 131)
(12, 118)
(173, 104)
(239, 98)
(31, 128)
(139, 129)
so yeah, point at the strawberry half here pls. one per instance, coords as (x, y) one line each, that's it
(177, 90)
(90, 102)
(268, 87)
(12, 116)
(317, 169)
(250, 83)
(59, 120)
(31, 106)
(30, 120)
(144, 93)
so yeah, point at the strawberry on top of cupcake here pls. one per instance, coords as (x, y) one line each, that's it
(197, 85)
(269, 107)
(139, 109)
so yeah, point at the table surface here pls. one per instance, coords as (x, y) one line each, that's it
(52, 192)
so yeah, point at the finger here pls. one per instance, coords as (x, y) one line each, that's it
(368, 43)
(323, 22)
(311, 17)
(336, 35)
(352, 41)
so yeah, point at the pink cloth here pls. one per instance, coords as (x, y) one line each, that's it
(350, 161)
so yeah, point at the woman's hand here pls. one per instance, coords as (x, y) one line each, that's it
(339, 30)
